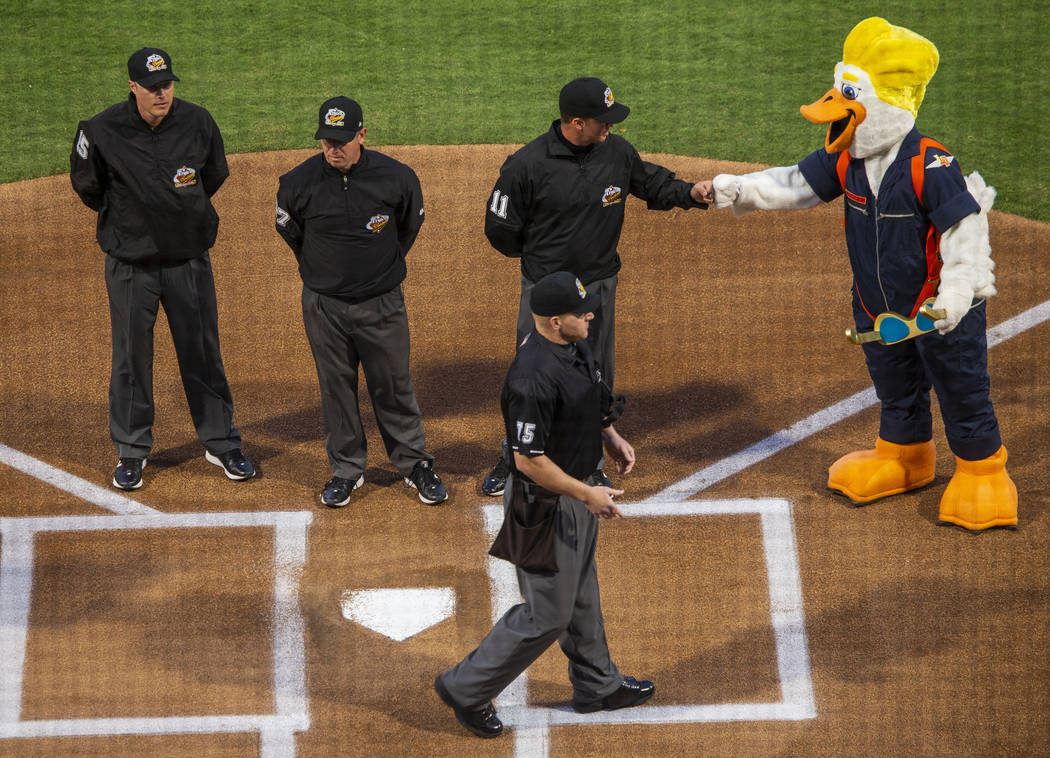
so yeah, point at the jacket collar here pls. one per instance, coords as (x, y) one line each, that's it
(570, 355)
(327, 168)
(557, 145)
(136, 117)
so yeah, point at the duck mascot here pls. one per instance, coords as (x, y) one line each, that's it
(917, 237)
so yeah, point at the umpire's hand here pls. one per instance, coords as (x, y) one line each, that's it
(600, 502)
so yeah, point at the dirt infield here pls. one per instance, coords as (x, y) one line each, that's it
(916, 640)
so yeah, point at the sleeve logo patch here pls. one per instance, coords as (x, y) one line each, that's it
(283, 217)
(83, 145)
(185, 177)
(377, 222)
(611, 196)
(940, 160)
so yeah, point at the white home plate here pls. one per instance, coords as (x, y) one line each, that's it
(399, 613)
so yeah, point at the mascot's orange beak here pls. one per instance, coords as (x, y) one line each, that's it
(841, 115)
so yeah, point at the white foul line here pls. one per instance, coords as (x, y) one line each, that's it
(821, 420)
(74, 485)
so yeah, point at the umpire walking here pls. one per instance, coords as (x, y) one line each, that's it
(149, 166)
(557, 416)
(350, 215)
(559, 203)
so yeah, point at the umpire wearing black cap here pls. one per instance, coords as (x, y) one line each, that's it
(557, 416)
(149, 166)
(559, 202)
(351, 215)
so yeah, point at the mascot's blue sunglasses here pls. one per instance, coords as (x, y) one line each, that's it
(891, 328)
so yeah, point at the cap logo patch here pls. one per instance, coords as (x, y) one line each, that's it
(941, 160)
(377, 222)
(611, 196)
(185, 177)
(609, 98)
(156, 63)
(580, 289)
(334, 117)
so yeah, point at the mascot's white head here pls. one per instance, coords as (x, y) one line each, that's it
(879, 86)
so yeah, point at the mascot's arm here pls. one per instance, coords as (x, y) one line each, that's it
(967, 259)
(782, 188)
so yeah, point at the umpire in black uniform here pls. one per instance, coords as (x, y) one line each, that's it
(558, 417)
(350, 216)
(559, 203)
(149, 166)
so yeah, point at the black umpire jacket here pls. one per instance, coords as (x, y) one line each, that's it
(350, 232)
(152, 188)
(563, 211)
(554, 403)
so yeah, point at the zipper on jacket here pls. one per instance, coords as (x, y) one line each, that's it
(878, 265)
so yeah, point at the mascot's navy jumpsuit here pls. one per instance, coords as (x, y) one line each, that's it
(886, 239)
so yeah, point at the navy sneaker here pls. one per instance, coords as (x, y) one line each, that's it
(496, 481)
(233, 463)
(128, 475)
(427, 483)
(337, 491)
(599, 479)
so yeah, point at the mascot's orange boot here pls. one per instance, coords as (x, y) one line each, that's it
(867, 475)
(980, 495)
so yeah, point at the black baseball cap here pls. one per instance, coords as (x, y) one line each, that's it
(150, 66)
(339, 119)
(590, 98)
(561, 292)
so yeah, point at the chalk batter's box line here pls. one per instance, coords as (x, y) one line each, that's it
(786, 615)
(289, 654)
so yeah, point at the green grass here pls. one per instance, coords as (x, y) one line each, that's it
(709, 79)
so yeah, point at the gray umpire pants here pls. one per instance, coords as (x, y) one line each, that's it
(563, 607)
(187, 292)
(374, 334)
(602, 334)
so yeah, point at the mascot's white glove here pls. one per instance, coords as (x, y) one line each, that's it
(782, 188)
(967, 266)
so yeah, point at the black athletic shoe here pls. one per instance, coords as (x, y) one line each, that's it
(128, 474)
(337, 491)
(233, 464)
(481, 721)
(599, 479)
(427, 483)
(631, 692)
(496, 481)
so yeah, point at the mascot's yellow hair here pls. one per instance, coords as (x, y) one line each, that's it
(899, 62)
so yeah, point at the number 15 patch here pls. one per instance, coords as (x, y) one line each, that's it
(526, 432)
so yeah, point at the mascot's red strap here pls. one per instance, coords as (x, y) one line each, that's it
(933, 237)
